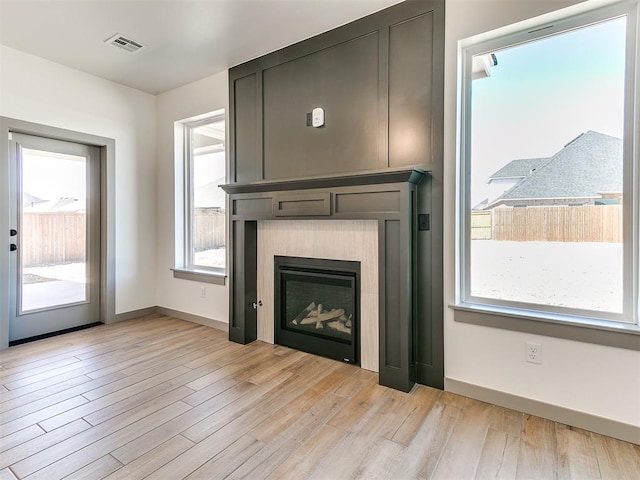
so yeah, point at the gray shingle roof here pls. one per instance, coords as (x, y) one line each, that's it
(29, 200)
(519, 168)
(589, 164)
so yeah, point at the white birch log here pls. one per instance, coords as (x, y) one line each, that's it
(337, 325)
(305, 313)
(323, 317)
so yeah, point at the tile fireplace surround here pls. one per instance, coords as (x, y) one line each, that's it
(355, 240)
(368, 217)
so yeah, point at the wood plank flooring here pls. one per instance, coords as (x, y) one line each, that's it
(162, 398)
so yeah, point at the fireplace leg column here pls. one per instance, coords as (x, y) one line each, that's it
(397, 368)
(243, 323)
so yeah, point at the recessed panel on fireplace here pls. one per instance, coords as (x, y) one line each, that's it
(341, 79)
(317, 306)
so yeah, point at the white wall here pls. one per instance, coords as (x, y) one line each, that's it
(593, 379)
(40, 91)
(190, 100)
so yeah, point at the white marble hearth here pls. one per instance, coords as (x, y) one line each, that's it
(355, 240)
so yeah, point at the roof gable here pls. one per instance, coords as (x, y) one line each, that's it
(519, 168)
(588, 165)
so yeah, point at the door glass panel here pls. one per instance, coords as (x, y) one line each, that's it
(53, 233)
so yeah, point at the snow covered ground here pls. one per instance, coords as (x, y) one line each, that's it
(73, 272)
(211, 258)
(51, 285)
(570, 274)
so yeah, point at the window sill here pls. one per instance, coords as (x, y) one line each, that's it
(205, 276)
(612, 334)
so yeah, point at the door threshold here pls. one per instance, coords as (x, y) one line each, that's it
(13, 343)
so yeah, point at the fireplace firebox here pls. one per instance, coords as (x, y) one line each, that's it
(317, 306)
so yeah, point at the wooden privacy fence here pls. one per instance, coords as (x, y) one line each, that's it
(49, 238)
(586, 223)
(59, 237)
(208, 229)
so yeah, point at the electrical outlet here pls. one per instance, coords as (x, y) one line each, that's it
(533, 352)
(203, 292)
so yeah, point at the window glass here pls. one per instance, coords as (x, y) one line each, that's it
(545, 173)
(206, 200)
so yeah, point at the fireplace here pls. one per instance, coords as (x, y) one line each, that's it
(317, 306)
(388, 198)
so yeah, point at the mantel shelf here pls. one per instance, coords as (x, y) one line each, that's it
(412, 175)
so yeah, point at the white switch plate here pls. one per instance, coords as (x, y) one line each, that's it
(317, 117)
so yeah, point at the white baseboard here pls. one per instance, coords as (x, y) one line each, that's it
(594, 423)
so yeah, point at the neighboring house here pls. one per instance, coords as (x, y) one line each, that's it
(587, 171)
(29, 200)
(512, 174)
(65, 204)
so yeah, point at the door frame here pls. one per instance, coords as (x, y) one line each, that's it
(107, 213)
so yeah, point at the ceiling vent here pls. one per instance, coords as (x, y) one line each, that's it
(120, 41)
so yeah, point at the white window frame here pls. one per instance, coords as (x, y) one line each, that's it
(185, 267)
(495, 41)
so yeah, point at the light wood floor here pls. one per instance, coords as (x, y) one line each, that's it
(162, 398)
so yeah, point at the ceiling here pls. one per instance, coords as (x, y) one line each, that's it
(185, 40)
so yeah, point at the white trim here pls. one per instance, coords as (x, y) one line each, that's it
(542, 22)
(184, 196)
(205, 276)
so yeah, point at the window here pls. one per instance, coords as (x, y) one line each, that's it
(204, 201)
(548, 217)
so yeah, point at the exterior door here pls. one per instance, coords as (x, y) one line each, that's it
(55, 229)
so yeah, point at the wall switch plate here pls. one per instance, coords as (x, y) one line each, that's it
(317, 117)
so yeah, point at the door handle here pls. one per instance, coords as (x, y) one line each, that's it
(13, 232)
(13, 247)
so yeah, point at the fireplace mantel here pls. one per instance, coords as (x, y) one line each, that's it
(388, 196)
(373, 177)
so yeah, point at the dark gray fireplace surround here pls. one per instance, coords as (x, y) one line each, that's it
(388, 196)
(380, 82)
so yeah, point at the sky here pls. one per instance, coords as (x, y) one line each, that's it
(208, 167)
(51, 176)
(543, 94)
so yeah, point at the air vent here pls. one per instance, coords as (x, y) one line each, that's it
(120, 41)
